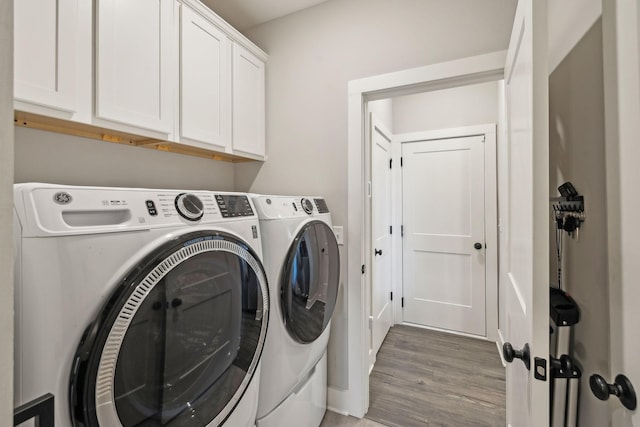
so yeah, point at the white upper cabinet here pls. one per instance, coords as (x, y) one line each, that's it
(169, 74)
(45, 47)
(248, 103)
(205, 104)
(134, 54)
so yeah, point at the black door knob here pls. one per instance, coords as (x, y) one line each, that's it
(477, 245)
(510, 353)
(621, 388)
(377, 252)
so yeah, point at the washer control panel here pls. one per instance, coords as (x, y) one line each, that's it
(47, 208)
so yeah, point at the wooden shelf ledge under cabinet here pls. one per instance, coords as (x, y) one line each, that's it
(35, 121)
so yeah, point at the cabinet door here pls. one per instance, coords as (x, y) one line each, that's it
(204, 81)
(133, 63)
(248, 103)
(45, 53)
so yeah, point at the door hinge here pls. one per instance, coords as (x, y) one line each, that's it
(400, 161)
(484, 138)
(402, 231)
(390, 161)
(370, 322)
(391, 229)
(402, 302)
(363, 269)
(391, 296)
(540, 368)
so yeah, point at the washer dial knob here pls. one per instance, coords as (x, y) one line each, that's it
(189, 206)
(307, 206)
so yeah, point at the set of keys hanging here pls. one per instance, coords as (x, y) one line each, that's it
(569, 221)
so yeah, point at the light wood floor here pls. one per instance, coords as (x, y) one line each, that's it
(429, 378)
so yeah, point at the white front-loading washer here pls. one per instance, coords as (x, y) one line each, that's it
(139, 307)
(303, 269)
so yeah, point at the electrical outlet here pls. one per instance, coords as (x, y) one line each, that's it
(338, 230)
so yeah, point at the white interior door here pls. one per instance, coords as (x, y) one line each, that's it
(381, 311)
(443, 217)
(527, 215)
(622, 112)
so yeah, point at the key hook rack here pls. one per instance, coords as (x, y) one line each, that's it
(576, 205)
(568, 209)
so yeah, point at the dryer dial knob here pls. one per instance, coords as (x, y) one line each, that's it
(307, 206)
(189, 206)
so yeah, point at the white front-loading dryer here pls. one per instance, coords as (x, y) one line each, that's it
(303, 269)
(139, 307)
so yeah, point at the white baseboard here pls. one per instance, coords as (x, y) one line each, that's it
(337, 401)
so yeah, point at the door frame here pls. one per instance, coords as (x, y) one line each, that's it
(461, 72)
(490, 219)
(6, 210)
(621, 31)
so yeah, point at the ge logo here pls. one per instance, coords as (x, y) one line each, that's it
(62, 198)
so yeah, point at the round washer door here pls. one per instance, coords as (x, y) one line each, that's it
(309, 282)
(179, 339)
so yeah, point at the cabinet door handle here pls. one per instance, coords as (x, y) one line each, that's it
(377, 252)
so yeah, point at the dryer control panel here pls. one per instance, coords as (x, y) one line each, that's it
(272, 207)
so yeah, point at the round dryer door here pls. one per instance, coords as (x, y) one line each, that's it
(309, 282)
(178, 341)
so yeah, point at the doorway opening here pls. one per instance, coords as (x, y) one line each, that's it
(468, 71)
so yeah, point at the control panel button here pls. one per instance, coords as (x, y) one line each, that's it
(189, 206)
(151, 208)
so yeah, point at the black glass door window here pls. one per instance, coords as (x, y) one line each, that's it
(192, 345)
(309, 284)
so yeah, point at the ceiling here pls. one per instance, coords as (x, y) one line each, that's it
(244, 14)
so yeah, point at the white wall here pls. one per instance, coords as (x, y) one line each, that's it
(461, 106)
(62, 159)
(312, 56)
(383, 110)
(6, 212)
(568, 22)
